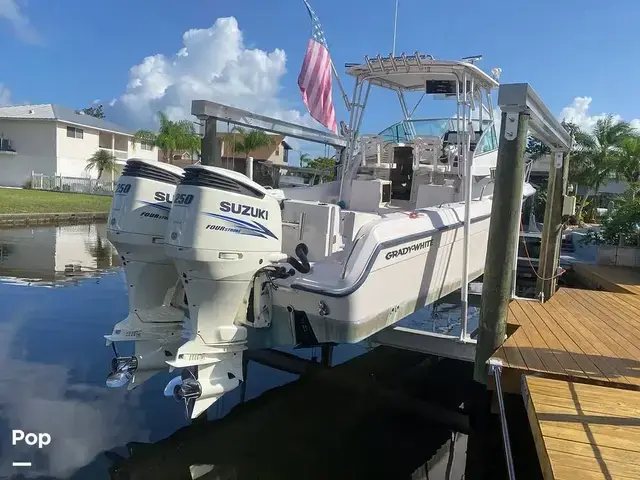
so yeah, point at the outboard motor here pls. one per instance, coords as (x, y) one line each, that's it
(224, 230)
(136, 228)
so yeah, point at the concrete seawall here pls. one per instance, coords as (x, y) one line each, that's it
(9, 219)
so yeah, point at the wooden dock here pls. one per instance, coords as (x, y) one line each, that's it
(583, 431)
(606, 277)
(577, 335)
(576, 361)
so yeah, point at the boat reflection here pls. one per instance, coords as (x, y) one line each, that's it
(333, 425)
(55, 255)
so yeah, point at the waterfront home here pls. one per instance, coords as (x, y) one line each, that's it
(55, 140)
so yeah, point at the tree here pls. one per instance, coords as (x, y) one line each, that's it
(93, 111)
(323, 163)
(103, 161)
(536, 149)
(570, 127)
(172, 137)
(250, 141)
(628, 167)
(596, 155)
(304, 159)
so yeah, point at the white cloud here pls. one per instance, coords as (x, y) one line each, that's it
(212, 64)
(5, 95)
(10, 11)
(578, 113)
(83, 419)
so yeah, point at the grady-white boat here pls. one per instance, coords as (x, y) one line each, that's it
(217, 264)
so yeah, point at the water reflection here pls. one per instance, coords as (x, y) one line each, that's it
(54, 363)
(55, 256)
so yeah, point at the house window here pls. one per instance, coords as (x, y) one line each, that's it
(146, 146)
(73, 132)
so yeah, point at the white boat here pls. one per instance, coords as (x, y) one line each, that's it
(249, 267)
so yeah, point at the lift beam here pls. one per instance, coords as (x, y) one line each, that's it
(208, 111)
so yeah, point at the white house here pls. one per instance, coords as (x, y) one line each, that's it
(609, 188)
(45, 255)
(55, 140)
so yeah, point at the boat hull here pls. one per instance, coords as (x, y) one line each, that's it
(386, 294)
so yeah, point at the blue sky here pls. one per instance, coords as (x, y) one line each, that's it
(73, 52)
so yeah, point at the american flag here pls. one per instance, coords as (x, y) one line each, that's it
(316, 76)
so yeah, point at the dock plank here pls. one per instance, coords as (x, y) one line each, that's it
(583, 431)
(618, 317)
(580, 335)
(609, 342)
(591, 343)
(613, 279)
(536, 340)
(567, 345)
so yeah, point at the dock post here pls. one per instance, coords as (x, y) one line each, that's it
(209, 144)
(552, 228)
(505, 216)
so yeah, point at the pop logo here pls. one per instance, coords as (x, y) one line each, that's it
(31, 439)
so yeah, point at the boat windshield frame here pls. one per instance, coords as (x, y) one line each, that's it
(460, 81)
(448, 124)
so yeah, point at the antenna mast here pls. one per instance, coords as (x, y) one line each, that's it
(395, 29)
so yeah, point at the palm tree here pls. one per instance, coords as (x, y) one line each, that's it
(596, 155)
(103, 161)
(304, 159)
(629, 159)
(172, 137)
(250, 141)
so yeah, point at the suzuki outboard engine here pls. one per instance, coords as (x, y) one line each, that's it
(136, 228)
(223, 231)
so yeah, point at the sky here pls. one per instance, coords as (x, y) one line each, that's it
(140, 56)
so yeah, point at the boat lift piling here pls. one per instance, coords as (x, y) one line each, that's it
(209, 144)
(552, 228)
(522, 111)
(505, 210)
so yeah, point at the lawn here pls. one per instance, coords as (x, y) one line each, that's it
(37, 201)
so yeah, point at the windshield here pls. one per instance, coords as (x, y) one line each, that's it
(436, 127)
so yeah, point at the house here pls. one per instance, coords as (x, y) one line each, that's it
(277, 153)
(611, 188)
(55, 140)
(45, 256)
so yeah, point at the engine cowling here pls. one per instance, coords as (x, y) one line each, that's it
(223, 228)
(136, 227)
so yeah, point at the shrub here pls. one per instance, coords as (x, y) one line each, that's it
(27, 184)
(621, 227)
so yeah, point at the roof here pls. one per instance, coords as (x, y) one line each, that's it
(60, 113)
(410, 73)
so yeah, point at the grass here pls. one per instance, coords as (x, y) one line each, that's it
(37, 201)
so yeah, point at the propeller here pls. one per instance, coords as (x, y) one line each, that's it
(185, 388)
(122, 370)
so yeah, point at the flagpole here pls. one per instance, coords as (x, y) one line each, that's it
(395, 29)
(344, 94)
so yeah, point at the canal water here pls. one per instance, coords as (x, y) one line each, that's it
(61, 290)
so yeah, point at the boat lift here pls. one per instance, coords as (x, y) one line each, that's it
(513, 99)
